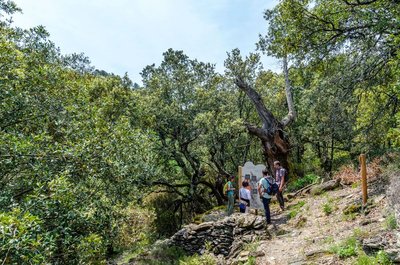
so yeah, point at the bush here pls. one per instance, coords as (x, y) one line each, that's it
(22, 240)
(91, 250)
(346, 248)
(391, 222)
(327, 208)
(167, 255)
(166, 221)
(135, 228)
(381, 258)
(295, 209)
(302, 182)
(250, 261)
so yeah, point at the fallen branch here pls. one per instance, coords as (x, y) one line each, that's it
(304, 188)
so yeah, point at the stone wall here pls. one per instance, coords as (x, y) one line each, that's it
(226, 236)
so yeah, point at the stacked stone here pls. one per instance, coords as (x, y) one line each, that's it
(224, 237)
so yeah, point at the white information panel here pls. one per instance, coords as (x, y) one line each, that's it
(253, 173)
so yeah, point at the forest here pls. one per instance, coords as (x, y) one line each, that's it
(93, 164)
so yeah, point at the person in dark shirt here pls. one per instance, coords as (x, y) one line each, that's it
(280, 174)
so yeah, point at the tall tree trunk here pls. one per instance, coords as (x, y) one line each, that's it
(274, 140)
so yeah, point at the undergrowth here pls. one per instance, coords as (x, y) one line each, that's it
(302, 182)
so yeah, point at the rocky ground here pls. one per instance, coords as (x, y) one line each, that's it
(320, 222)
(318, 226)
(307, 232)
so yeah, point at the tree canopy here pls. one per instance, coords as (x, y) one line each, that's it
(92, 163)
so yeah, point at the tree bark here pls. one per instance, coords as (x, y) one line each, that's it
(273, 138)
(291, 116)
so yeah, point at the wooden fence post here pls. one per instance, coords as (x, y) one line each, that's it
(240, 173)
(364, 178)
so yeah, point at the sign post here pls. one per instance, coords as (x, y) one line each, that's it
(239, 179)
(252, 174)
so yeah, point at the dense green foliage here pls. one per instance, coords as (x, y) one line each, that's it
(302, 182)
(91, 164)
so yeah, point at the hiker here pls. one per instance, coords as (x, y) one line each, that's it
(230, 193)
(264, 196)
(248, 187)
(280, 175)
(244, 196)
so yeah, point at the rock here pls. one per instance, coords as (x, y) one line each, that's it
(248, 238)
(202, 227)
(371, 245)
(244, 253)
(295, 233)
(235, 249)
(242, 260)
(393, 254)
(257, 253)
(378, 199)
(315, 253)
(367, 221)
(329, 185)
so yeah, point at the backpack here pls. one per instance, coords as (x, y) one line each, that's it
(225, 190)
(272, 189)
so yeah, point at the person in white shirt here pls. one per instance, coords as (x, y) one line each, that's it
(244, 195)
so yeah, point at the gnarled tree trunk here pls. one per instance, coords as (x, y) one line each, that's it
(274, 140)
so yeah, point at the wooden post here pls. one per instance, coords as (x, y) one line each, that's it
(364, 178)
(240, 175)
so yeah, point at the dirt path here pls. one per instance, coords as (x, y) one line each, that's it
(316, 223)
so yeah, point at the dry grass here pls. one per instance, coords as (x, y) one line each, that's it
(348, 175)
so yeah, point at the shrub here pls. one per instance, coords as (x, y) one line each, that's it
(381, 258)
(360, 234)
(295, 209)
(135, 227)
(302, 182)
(166, 221)
(250, 261)
(91, 250)
(391, 222)
(327, 208)
(346, 248)
(22, 240)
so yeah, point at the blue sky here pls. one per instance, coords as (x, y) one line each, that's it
(126, 35)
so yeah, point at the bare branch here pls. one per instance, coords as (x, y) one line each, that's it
(291, 116)
(266, 116)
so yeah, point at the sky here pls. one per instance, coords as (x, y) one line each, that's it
(126, 35)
